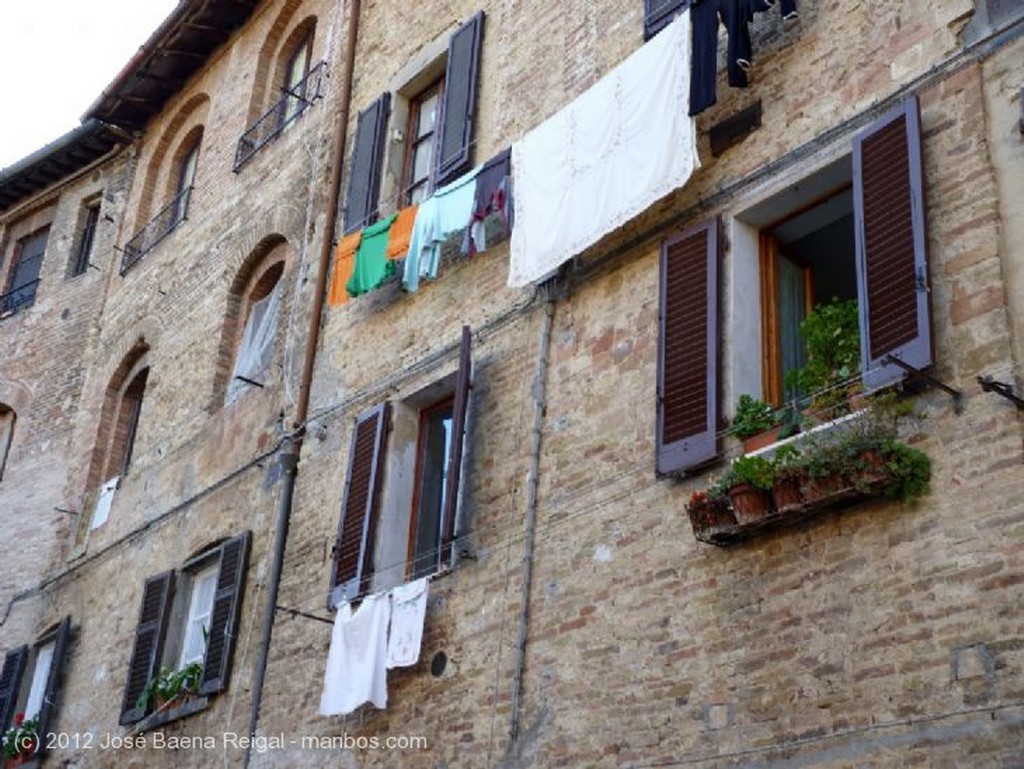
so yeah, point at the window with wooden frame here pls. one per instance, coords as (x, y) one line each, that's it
(23, 277)
(802, 251)
(399, 514)
(295, 83)
(441, 126)
(260, 309)
(31, 680)
(89, 218)
(188, 616)
(8, 419)
(186, 179)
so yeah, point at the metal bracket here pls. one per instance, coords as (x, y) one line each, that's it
(248, 381)
(297, 613)
(957, 395)
(989, 385)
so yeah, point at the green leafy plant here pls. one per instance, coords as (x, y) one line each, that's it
(752, 416)
(757, 471)
(831, 334)
(788, 460)
(169, 684)
(22, 738)
(909, 471)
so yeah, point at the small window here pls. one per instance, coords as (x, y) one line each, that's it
(186, 180)
(296, 83)
(420, 166)
(256, 347)
(87, 233)
(23, 278)
(31, 679)
(188, 617)
(400, 506)
(7, 421)
(127, 425)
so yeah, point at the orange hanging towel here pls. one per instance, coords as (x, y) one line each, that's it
(401, 230)
(344, 263)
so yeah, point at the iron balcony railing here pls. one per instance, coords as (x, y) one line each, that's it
(22, 296)
(159, 227)
(287, 109)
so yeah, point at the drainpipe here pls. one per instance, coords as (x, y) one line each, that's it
(539, 407)
(292, 448)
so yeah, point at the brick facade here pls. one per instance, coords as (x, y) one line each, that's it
(884, 635)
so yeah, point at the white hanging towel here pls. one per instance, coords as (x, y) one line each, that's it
(356, 671)
(103, 502)
(607, 156)
(408, 609)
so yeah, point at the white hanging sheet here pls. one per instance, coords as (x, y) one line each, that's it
(257, 349)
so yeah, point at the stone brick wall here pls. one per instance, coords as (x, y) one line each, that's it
(886, 635)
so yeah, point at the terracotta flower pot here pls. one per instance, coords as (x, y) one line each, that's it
(788, 492)
(710, 515)
(762, 439)
(749, 503)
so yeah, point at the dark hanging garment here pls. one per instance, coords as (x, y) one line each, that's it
(491, 197)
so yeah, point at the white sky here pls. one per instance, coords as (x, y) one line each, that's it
(57, 56)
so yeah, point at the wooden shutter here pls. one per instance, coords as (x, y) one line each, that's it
(227, 607)
(454, 475)
(10, 683)
(659, 13)
(353, 548)
(687, 421)
(149, 641)
(54, 678)
(365, 168)
(459, 100)
(892, 265)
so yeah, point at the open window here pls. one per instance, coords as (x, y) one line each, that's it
(854, 229)
(7, 421)
(23, 277)
(399, 517)
(31, 680)
(188, 617)
(89, 218)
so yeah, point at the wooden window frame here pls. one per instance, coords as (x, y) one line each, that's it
(412, 557)
(86, 238)
(8, 423)
(430, 142)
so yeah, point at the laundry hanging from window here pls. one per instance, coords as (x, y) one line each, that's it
(257, 349)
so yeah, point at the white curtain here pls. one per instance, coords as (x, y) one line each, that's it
(257, 349)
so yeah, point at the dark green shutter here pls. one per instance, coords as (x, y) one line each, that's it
(149, 641)
(224, 619)
(687, 409)
(892, 264)
(659, 13)
(365, 169)
(454, 474)
(10, 683)
(457, 112)
(54, 679)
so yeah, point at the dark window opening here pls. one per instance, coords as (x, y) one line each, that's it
(432, 463)
(420, 164)
(84, 249)
(20, 291)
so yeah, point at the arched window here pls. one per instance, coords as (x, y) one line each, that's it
(256, 347)
(186, 177)
(7, 420)
(295, 82)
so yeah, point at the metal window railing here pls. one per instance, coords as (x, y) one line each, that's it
(159, 227)
(287, 109)
(17, 298)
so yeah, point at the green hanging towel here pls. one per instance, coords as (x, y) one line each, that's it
(372, 265)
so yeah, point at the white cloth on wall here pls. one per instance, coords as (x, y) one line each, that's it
(357, 659)
(103, 502)
(408, 610)
(257, 349)
(607, 156)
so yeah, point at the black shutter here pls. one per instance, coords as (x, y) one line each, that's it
(659, 13)
(892, 265)
(687, 421)
(454, 475)
(365, 169)
(10, 683)
(459, 99)
(227, 607)
(54, 680)
(149, 641)
(353, 548)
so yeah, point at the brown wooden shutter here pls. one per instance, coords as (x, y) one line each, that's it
(892, 264)
(365, 168)
(10, 683)
(687, 420)
(54, 679)
(459, 100)
(454, 475)
(659, 13)
(353, 548)
(149, 641)
(227, 607)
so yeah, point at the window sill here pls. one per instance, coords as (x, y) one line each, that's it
(161, 717)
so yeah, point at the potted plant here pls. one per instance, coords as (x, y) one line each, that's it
(749, 481)
(754, 423)
(21, 740)
(707, 513)
(170, 687)
(907, 470)
(831, 334)
(790, 476)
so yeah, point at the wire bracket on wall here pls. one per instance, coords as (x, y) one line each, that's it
(989, 385)
(248, 381)
(297, 613)
(66, 512)
(916, 373)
